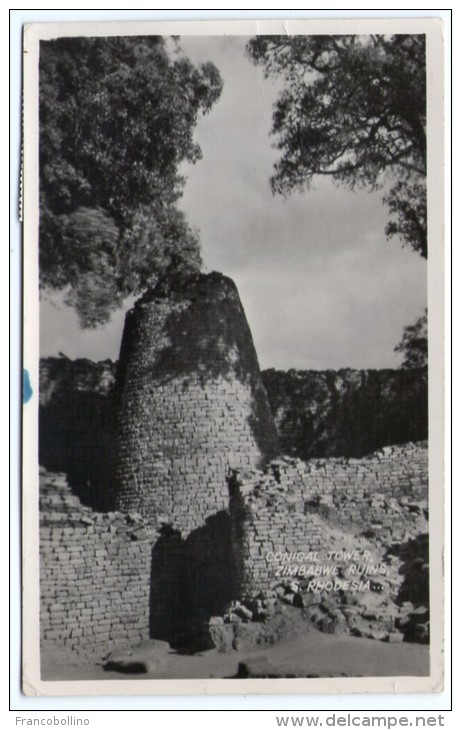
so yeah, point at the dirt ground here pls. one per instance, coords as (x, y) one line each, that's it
(314, 655)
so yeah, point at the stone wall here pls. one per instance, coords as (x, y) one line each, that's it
(146, 535)
(317, 414)
(94, 573)
(193, 401)
(78, 411)
(346, 412)
(285, 508)
(112, 579)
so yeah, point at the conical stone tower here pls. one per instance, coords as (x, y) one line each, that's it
(193, 403)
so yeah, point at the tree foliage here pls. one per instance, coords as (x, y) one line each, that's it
(413, 345)
(117, 116)
(353, 108)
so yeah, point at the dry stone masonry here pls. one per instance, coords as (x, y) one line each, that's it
(113, 579)
(282, 510)
(94, 572)
(78, 412)
(193, 402)
(316, 413)
(174, 493)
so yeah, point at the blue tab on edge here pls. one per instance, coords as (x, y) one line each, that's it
(26, 387)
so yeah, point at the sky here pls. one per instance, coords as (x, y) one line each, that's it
(321, 286)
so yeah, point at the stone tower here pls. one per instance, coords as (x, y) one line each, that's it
(193, 403)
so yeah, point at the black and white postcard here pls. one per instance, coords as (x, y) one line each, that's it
(233, 352)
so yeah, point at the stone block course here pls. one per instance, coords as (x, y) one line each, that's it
(89, 576)
(283, 509)
(193, 402)
(173, 538)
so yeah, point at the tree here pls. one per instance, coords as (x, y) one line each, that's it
(413, 345)
(353, 108)
(117, 116)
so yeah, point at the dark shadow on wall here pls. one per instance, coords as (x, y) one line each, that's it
(347, 413)
(191, 580)
(77, 437)
(207, 336)
(414, 554)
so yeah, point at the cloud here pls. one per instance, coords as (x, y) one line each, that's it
(321, 286)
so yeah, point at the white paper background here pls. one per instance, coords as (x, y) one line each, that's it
(358, 702)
